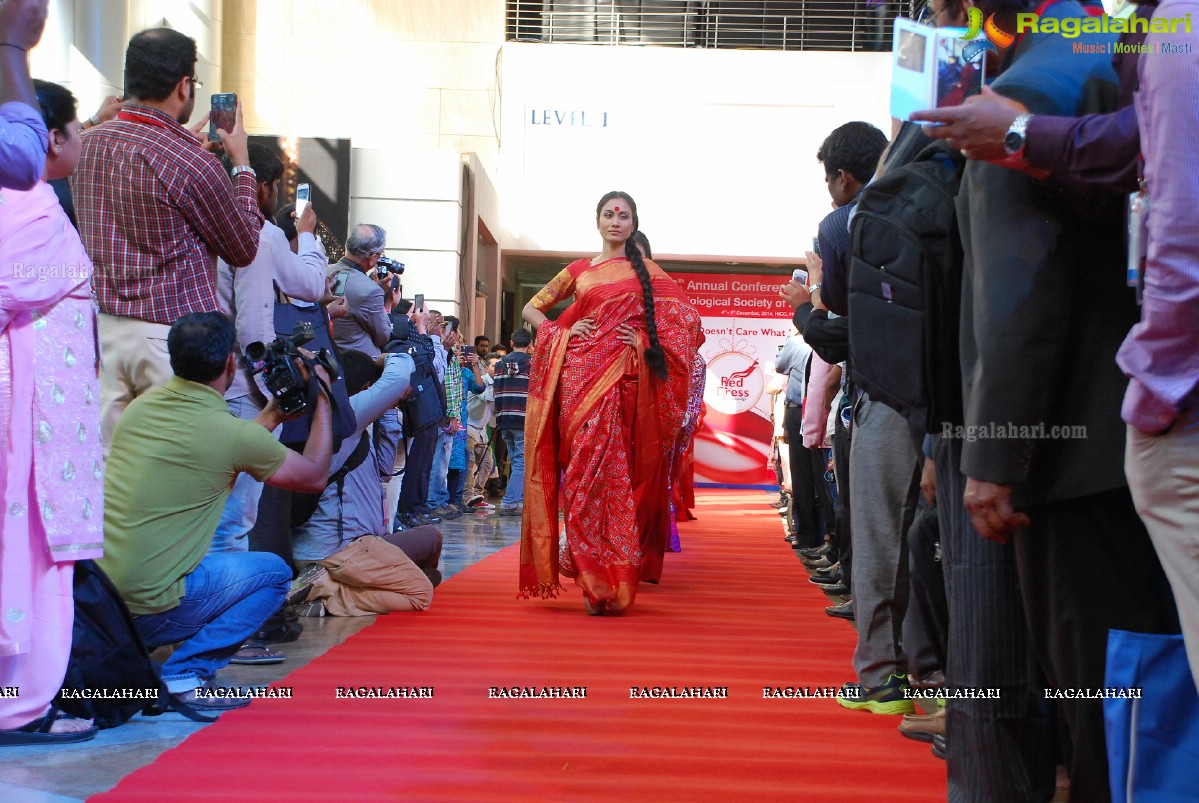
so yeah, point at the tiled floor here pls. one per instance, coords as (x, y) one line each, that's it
(73, 772)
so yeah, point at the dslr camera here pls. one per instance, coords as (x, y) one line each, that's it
(278, 361)
(387, 265)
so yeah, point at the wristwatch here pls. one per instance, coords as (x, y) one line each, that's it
(239, 169)
(813, 288)
(1013, 140)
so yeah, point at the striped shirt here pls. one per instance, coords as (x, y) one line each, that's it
(155, 211)
(511, 391)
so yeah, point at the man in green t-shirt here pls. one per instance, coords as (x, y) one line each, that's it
(174, 456)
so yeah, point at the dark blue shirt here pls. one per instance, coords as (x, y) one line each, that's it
(833, 236)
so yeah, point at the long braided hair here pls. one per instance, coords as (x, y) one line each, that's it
(655, 357)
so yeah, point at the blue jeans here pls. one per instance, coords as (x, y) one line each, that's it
(241, 508)
(226, 600)
(514, 496)
(439, 489)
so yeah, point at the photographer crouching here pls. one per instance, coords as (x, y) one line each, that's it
(175, 454)
(354, 565)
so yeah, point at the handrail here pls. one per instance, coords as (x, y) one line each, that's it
(760, 24)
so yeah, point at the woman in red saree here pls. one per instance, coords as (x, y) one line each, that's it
(607, 396)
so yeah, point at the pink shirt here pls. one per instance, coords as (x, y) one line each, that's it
(815, 414)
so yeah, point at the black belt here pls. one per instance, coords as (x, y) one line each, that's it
(793, 404)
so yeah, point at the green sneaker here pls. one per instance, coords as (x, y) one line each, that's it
(888, 698)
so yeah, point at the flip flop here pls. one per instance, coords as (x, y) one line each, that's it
(257, 654)
(38, 731)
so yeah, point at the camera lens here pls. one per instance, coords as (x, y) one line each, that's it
(256, 352)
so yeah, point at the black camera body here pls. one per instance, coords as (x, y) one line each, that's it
(387, 265)
(278, 362)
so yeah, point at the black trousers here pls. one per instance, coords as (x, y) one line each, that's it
(841, 532)
(1087, 565)
(826, 521)
(999, 750)
(926, 625)
(414, 491)
(803, 484)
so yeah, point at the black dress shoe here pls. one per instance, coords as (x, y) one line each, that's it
(842, 611)
(836, 588)
(814, 552)
(940, 746)
(826, 579)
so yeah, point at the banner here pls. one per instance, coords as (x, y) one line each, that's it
(745, 321)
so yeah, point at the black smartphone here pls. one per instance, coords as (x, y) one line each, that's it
(223, 114)
(420, 301)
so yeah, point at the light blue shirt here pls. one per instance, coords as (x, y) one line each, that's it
(23, 143)
(361, 504)
(793, 361)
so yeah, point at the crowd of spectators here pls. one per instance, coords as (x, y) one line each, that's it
(250, 403)
(1001, 562)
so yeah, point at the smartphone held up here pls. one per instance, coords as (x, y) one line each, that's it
(222, 115)
(339, 284)
(303, 194)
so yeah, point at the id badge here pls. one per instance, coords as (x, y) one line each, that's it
(1138, 236)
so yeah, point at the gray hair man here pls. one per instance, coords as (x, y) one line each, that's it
(365, 327)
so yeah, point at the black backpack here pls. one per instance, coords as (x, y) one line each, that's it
(426, 404)
(905, 280)
(110, 677)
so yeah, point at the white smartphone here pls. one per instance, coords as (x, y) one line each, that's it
(339, 285)
(303, 193)
(800, 276)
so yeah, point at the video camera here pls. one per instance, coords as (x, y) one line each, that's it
(278, 360)
(387, 265)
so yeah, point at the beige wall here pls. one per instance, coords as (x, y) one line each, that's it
(418, 75)
(83, 46)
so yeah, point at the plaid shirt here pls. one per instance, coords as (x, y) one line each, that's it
(155, 211)
(455, 393)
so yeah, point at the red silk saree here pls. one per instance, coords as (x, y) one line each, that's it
(599, 431)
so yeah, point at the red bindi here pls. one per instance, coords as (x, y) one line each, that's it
(618, 210)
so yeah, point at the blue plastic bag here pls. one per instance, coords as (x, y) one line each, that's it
(1152, 742)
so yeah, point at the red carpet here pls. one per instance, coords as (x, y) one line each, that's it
(734, 609)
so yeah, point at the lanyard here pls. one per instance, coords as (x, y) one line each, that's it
(137, 116)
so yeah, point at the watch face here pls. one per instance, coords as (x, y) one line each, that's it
(1013, 141)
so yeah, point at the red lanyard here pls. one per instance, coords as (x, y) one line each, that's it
(138, 116)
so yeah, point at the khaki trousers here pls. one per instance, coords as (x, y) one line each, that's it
(1163, 475)
(368, 576)
(133, 361)
(480, 462)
